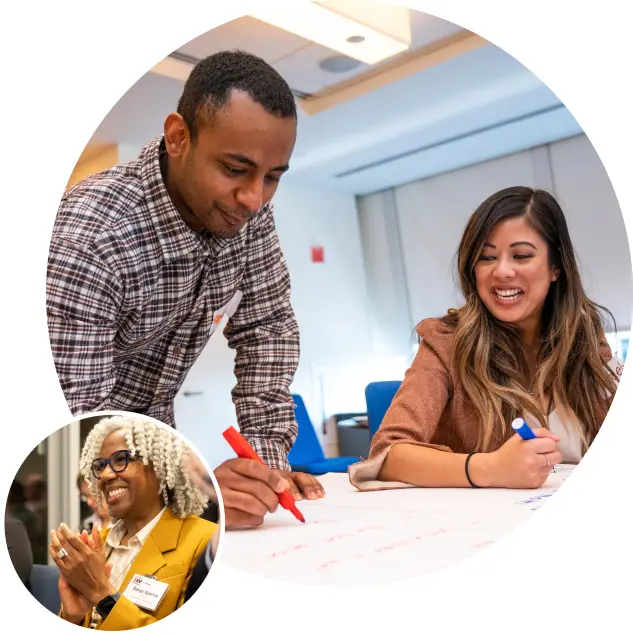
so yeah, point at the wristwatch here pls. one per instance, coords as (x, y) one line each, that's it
(105, 605)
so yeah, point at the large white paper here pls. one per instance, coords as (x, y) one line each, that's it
(358, 538)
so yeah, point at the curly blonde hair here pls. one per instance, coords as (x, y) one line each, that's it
(152, 444)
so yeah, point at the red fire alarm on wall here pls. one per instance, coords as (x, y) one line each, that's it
(318, 255)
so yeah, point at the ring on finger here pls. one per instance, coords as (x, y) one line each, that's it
(62, 553)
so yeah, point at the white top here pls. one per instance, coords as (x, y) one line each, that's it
(121, 556)
(570, 445)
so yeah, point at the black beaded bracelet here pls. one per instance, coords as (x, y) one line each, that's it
(470, 481)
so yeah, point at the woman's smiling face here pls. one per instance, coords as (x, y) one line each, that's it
(513, 273)
(132, 490)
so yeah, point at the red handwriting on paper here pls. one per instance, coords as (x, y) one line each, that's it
(393, 546)
(336, 537)
(328, 564)
(274, 555)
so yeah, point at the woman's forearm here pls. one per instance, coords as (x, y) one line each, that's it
(75, 619)
(99, 592)
(429, 467)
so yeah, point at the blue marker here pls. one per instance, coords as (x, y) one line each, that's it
(521, 427)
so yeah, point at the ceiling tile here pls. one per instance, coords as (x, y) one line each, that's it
(305, 64)
(426, 29)
(258, 38)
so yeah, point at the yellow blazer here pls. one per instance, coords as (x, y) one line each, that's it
(169, 554)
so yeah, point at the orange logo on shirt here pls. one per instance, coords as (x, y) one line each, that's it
(218, 318)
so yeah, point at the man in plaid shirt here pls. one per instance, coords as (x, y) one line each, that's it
(147, 258)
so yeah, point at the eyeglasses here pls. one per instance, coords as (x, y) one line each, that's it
(118, 461)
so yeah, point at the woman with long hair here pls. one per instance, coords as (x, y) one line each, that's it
(527, 343)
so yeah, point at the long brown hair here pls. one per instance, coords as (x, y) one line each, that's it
(490, 354)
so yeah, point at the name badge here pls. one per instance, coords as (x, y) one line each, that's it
(145, 591)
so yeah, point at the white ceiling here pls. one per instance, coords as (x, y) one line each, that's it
(297, 59)
(476, 106)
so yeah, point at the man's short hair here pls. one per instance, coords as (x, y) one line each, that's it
(214, 78)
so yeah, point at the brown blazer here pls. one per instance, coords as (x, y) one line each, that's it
(430, 408)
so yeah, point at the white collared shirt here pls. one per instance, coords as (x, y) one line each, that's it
(121, 556)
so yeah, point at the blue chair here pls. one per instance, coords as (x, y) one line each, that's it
(378, 396)
(307, 456)
(42, 584)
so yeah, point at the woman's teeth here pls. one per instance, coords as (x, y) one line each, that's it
(508, 294)
(115, 494)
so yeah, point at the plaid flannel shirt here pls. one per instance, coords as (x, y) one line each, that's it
(133, 296)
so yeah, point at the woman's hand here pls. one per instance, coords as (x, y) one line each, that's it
(93, 541)
(83, 567)
(518, 463)
(74, 605)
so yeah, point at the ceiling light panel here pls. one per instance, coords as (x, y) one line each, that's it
(333, 30)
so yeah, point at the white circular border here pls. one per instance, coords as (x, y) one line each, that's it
(65, 65)
(11, 574)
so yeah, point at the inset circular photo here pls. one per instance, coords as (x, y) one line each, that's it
(113, 521)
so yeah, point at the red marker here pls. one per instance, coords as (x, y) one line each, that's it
(243, 449)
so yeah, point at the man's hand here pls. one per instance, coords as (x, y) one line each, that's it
(302, 485)
(249, 490)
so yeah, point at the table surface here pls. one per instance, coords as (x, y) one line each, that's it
(350, 536)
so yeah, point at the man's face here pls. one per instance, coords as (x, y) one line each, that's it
(233, 167)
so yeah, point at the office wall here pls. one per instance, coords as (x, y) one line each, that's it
(390, 319)
(92, 160)
(596, 225)
(330, 302)
(430, 216)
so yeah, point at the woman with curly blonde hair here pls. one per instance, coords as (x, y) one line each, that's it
(136, 572)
